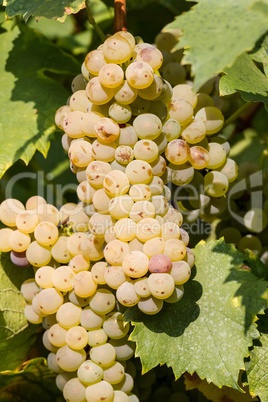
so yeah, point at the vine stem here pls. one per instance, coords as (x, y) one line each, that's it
(120, 13)
(93, 22)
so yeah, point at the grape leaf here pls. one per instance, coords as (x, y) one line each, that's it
(43, 8)
(29, 97)
(257, 369)
(214, 35)
(35, 382)
(214, 393)
(12, 319)
(244, 77)
(211, 328)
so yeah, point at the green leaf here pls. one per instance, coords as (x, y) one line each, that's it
(12, 319)
(211, 328)
(43, 8)
(246, 78)
(257, 369)
(215, 34)
(29, 97)
(35, 382)
(15, 350)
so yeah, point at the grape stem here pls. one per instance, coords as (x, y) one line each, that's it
(120, 12)
(93, 22)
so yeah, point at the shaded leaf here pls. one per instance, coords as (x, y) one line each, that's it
(214, 393)
(35, 382)
(257, 369)
(29, 97)
(246, 78)
(43, 8)
(211, 328)
(214, 35)
(12, 303)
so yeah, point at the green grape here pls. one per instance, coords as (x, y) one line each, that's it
(126, 294)
(80, 153)
(199, 157)
(68, 315)
(147, 126)
(161, 285)
(217, 155)
(69, 359)
(74, 391)
(174, 73)
(115, 276)
(103, 355)
(46, 233)
(29, 288)
(194, 132)
(77, 337)
(97, 93)
(125, 94)
(181, 111)
(27, 221)
(111, 75)
(60, 115)
(177, 152)
(94, 61)
(49, 300)
(79, 101)
(255, 220)
(43, 276)
(126, 385)
(181, 174)
(124, 349)
(62, 378)
(154, 90)
(89, 373)
(150, 305)
(57, 335)
(146, 150)
(97, 337)
(84, 284)
(180, 272)
(139, 74)
(31, 315)
(5, 234)
(91, 320)
(102, 302)
(38, 255)
(120, 113)
(117, 49)
(59, 250)
(230, 234)
(9, 209)
(250, 242)
(120, 396)
(216, 184)
(212, 118)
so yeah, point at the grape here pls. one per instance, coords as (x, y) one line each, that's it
(229, 169)
(46, 233)
(161, 142)
(68, 315)
(125, 93)
(63, 278)
(107, 130)
(161, 285)
(88, 123)
(84, 284)
(47, 343)
(149, 54)
(180, 272)
(48, 213)
(140, 192)
(29, 289)
(140, 106)
(31, 315)
(99, 223)
(97, 337)
(120, 113)
(139, 74)
(97, 93)
(77, 337)
(153, 91)
(89, 372)
(59, 250)
(98, 272)
(80, 153)
(43, 276)
(200, 158)
(94, 61)
(141, 210)
(114, 326)
(116, 183)
(69, 359)
(212, 118)
(49, 300)
(160, 203)
(147, 126)
(172, 129)
(154, 246)
(216, 184)
(111, 75)
(103, 355)
(52, 363)
(114, 374)
(125, 229)
(146, 150)
(100, 391)
(91, 247)
(120, 396)
(9, 209)
(79, 100)
(175, 249)
(5, 234)
(176, 295)
(38, 255)
(160, 263)
(177, 151)
(194, 132)
(251, 242)
(27, 221)
(135, 264)
(142, 288)
(114, 276)
(57, 335)
(91, 320)
(96, 172)
(116, 49)
(181, 174)
(19, 258)
(60, 115)
(102, 302)
(115, 251)
(217, 155)
(126, 294)
(126, 385)
(255, 220)
(181, 111)
(147, 228)
(124, 154)
(124, 348)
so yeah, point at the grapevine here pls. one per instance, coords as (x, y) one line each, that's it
(118, 263)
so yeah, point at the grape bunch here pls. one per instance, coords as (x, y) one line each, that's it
(128, 133)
